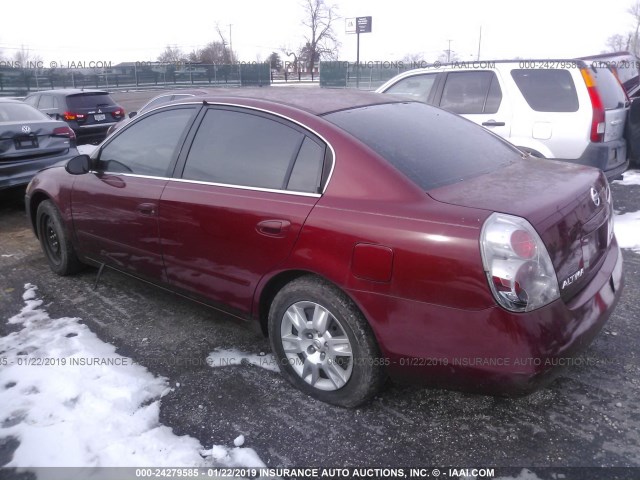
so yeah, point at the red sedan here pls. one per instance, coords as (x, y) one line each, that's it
(369, 236)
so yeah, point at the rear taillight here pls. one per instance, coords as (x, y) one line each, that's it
(519, 270)
(598, 120)
(64, 132)
(80, 117)
(118, 113)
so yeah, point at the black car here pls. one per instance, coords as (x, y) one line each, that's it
(89, 113)
(29, 142)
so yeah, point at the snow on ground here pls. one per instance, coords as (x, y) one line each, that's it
(230, 357)
(627, 228)
(627, 225)
(86, 149)
(71, 400)
(630, 177)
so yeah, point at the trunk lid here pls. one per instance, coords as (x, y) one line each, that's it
(31, 138)
(568, 205)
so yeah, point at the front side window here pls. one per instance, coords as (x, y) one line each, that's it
(416, 87)
(246, 149)
(148, 146)
(471, 93)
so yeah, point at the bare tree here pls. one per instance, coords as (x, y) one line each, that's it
(172, 55)
(618, 43)
(634, 11)
(321, 41)
(229, 55)
(213, 53)
(25, 58)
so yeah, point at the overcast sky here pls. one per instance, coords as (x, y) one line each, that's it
(129, 30)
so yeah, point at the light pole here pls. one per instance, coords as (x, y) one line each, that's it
(230, 43)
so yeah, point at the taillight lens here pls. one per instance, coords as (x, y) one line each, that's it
(598, 119)
(64, 132)
(80, 117)
(118, 113)
(517, 264)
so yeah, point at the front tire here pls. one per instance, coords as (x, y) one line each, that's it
(55, 241)
(323, 344)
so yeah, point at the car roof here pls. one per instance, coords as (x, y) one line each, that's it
(318, 101)
(69, 91)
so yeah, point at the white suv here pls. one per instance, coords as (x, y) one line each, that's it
(568, 110)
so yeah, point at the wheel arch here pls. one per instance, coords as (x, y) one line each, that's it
(278, 281)
(34, 202)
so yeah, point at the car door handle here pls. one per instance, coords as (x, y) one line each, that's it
(492, 123)
(273, 228)
(148, 209)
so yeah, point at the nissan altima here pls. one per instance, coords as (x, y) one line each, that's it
(369, 236)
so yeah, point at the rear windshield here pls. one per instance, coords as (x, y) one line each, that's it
(611, 92)
(20, 112)
(90, 100)
(547, 90)
(430, 146)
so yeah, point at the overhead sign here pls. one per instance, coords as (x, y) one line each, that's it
(358, 25)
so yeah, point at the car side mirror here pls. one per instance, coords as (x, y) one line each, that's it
(132, 114)
(79, 165)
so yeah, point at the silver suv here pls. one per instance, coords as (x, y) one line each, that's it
(569, 110)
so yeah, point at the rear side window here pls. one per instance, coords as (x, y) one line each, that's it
(417, 87)
(431, 147)
(32, 100)
(47, 101)
(471, 92)
(611, 92)
(550, 90)
(19, 112)
(245, 149)
(90, 100)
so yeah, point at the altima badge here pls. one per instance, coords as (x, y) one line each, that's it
(595, 197)
(576, 275)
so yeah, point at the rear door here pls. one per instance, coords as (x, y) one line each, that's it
(248, 183)
(115, 207)
(477, 96)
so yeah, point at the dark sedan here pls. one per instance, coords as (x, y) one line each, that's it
(368, 236)
(30, 141)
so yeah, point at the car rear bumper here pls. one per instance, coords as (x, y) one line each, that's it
(610, 157)
(493, 351)
(20, 172)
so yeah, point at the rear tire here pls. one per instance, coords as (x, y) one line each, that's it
(323, 344)
(55, 240)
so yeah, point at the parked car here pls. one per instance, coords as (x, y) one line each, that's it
(363, 246)
(560, 109)
(30, 141)
(155, 102)
(89, 113)
(625, 65)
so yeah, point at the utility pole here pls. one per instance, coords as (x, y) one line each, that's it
(479, 42)
(230, 42)
(449, 52)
